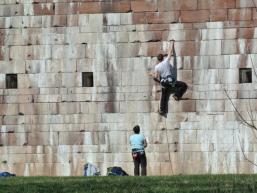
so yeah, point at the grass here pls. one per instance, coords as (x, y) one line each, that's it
(172, 184)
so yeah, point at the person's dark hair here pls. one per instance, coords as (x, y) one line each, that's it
(160, 57)
(136, 129)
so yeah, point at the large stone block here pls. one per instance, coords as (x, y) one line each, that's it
(197, 162)
(13, 139)
(167, 5)
(156, 137)
(138, 78)
(135, 106)
(240, 104)
(91, 23)
(161, 17)
(11, 10)
(43, 138)
(195, 16)
(95, 65)
(68, 51)
(166, 169)
(212, 95)
(216, 4)
(218, 15)
(72, 20)
(220, 62)
(240, 14)
(150, 49)
(59, 20)
(30, 21)
(126, 18)
(210, 105)
(38, 108)
(99, 107)
(12, 67)
(33, 52)
(68, 65)
(104, 7)
(212, 34)
(139, 18)
(110, 79)
(81, 118)
(210, 47)
(75, 97)
(182, 106)
(9, 109)
(122, 37)
(244, 4)
(68, 108)
(28, 80)
(182, 35)
(145, 36)
(71, 80)
(188, 48)
(47, 98)
(77, 138)
(230, 76)
(18, 99)
(112, 19)
(66, 8)
(141, 6)
(125, 50)
(43, 9)
(49, 80)
(208, 76)
(157, 157)
(2, 84)
(35, 66)
(13, 123)
(135, 64)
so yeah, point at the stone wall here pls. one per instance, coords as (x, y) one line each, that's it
(51, 125)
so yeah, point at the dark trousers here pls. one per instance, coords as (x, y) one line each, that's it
(178, 89)
(140, 160)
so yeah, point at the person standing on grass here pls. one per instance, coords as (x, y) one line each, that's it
(166, 73)
(138, 144)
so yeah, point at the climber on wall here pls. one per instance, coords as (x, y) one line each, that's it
(166, 73)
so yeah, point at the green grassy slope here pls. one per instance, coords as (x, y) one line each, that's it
(176, 184)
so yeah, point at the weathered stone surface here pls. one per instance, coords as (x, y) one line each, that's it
(167, 5)
(216, 4)
(240, 14)
(51, 125)
(218, 15)
(195, 16)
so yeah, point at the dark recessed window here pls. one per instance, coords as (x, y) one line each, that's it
(11, 81)
(87, 79)
(245, 75)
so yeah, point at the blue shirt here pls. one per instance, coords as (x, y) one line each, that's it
(137, 141)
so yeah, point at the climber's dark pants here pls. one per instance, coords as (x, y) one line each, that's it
(179, 88)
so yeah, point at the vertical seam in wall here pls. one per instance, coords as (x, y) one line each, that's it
(227, 13)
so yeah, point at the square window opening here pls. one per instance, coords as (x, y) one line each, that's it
(87, 79)
(245, 75)
(11, 81)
